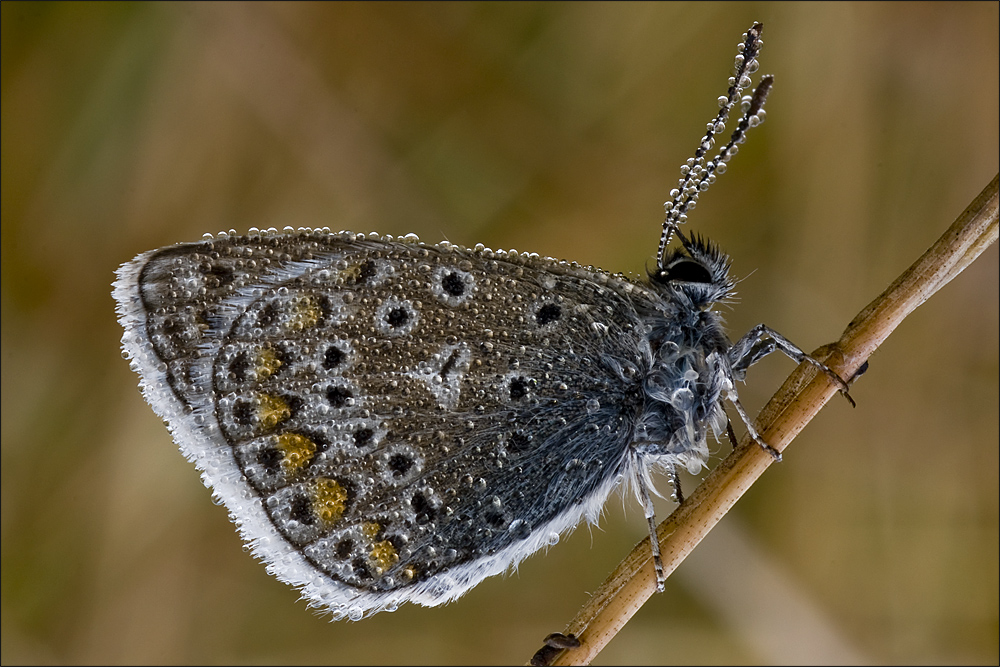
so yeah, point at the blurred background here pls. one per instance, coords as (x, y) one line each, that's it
(553, 128)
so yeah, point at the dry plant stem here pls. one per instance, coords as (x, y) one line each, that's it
(792, 407)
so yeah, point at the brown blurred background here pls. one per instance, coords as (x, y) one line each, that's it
(553, 128)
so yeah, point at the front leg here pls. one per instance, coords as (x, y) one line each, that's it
(761, 341)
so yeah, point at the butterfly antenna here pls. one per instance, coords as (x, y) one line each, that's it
(696, 176)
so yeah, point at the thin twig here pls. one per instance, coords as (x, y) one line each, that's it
(797, 401)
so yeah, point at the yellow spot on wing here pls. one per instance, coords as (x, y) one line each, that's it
(383, 555)
(305, 313)
(272, 410)
(329, 500)
(268, 363)
(298, 451)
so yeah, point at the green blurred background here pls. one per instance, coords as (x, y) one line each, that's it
(553, 128)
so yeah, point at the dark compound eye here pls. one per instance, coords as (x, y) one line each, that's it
(547, 314)
(686, 271)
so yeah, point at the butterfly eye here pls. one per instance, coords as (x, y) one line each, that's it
(688, 271)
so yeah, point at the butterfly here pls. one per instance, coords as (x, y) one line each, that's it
(390, 421)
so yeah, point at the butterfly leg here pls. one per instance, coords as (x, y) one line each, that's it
(761, 341)
(648, 509)
(735, 400)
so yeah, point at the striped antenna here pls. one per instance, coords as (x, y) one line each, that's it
(696, 176)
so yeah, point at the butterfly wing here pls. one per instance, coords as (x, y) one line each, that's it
(388, 421)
